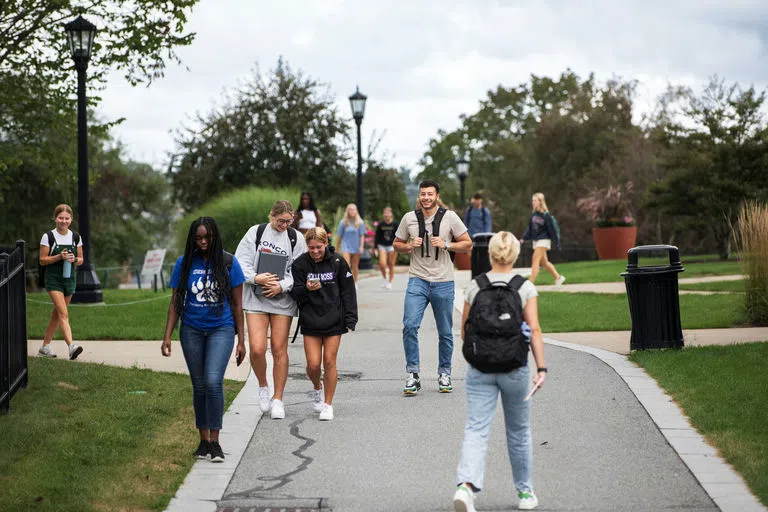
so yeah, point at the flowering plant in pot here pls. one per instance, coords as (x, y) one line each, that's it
(610, 208)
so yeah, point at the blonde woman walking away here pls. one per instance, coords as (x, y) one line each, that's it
(541, 230)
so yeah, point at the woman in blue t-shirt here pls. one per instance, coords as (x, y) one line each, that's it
(207, 296)
(351, 235)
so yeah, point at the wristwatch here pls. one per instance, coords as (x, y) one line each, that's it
(447, 246)
(541, 370)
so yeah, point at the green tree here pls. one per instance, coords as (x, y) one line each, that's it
(278, 130)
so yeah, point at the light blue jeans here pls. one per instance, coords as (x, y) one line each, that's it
(207, 354)
(482, 395)
(418, 294)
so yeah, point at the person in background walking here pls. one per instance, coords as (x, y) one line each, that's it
(385, 237)
(351, 233)
(306, 215)
(483, 390)
(207, 296)
(325, 293)
(541, 230)
(477, 217)
(59, 248)
(269, 309)
(430, 280)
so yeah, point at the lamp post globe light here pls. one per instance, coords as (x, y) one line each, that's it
(80, 33)
(357, 103)
(462, 169)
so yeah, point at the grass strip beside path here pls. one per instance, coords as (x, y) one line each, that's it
(724, 391)
(737, 286)
(79, 439)
(578, 312)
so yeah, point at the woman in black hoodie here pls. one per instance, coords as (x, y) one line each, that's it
(324, 290)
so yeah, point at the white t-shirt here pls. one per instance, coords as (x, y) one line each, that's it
(60, 239)
(526, 291)
(308, 219)
(427, 267)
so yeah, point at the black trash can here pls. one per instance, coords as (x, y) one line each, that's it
(481, 263)
(654, 303)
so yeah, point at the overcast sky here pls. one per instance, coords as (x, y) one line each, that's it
(423, 63)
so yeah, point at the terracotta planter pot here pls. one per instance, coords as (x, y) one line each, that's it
(613, 243)
(463, 261)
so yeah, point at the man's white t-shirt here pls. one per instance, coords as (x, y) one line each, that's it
(427, 267)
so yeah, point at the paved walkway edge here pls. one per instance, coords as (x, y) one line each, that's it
(206, 483)
(726, 487)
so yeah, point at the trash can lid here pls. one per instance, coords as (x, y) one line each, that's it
(674, 260)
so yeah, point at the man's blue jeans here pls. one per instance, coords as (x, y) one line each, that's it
(207, 354)
(418, 294)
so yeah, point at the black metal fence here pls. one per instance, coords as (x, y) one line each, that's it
(13, 324)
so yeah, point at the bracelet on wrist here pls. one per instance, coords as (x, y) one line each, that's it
(544, 369)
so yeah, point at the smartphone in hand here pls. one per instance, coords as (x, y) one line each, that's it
(239, 358)
(533, 391)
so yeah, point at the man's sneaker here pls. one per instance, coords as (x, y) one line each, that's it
(388, 286)
(412, 384)
(528, 501)
(74, 351)
(326, 414)
(217, 454)
(559, 281)
(444, 383)
(265, 399)
(277, 410)
(46, 351)
(464, 499)
(317, 399)
(203, 449)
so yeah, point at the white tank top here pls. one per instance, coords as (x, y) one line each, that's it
(308, 219)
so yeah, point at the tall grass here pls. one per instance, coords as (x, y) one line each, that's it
(235, 212)
(751, 237)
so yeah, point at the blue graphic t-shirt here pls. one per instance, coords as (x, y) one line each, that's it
(350, 237)
(200, 310)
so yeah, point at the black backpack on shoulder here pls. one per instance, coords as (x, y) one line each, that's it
(292, 236)
(435, 229)
(493, 339)
(51, 245)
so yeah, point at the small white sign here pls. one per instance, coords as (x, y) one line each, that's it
(153, 263)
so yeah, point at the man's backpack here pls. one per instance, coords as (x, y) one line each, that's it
(493, 337)
(435, 229)
(469, 209)
(291, 236)
(51, 246)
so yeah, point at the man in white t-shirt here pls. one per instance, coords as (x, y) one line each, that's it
(430, 280)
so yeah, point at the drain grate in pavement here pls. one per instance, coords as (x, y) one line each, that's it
(343, 376)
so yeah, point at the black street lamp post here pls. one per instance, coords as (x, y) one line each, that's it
(357, 102)
(81, 33)
(462, 168)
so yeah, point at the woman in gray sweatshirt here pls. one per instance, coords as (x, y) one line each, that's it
(267, 301)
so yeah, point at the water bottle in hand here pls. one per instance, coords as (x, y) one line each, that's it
(67, 272)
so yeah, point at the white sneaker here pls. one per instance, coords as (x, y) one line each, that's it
(388, 286)
(464, 499)
(559, 281)
(384, 284)
(326, 414)
(74, 351)
(528, 501)
(46, 351)
(317, 399)
(265, 399)
(278, 410)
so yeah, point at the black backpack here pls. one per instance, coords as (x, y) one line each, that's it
(435, 229)
(51, 245)
(493, 339)
(466, 215)
(291, 236)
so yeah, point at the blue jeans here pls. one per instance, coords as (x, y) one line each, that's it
(207, 354)
(482, 395)
(418, 294)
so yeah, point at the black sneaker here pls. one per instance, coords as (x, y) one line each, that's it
(217, 454)
(412, 384)
(203, 449)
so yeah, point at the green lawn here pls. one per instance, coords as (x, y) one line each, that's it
(78, 439)
(122, 318)
(737, 286)
(575, 312)
(605, 271)
(724, 391)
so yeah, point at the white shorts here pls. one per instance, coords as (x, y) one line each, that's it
(386, 248)
(544, 242)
